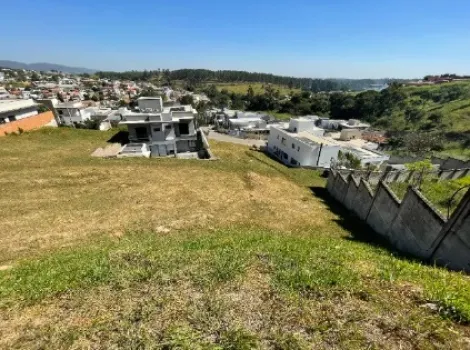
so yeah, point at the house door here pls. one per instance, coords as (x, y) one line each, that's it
(141, 133)
(162, 150)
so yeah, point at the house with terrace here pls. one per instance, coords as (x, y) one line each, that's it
(158, 131)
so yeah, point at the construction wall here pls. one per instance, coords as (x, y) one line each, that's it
(412, 226)
(27, 124)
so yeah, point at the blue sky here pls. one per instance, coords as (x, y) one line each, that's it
(335, 38)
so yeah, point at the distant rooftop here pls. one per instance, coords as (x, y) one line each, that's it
(309, 138)
(14, 105)
(71, 104)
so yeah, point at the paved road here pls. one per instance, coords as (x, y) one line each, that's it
(213, 135)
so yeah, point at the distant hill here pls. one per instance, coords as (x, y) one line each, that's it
(44, 66)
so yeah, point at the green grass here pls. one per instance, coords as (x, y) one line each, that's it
(258, 88)
(438, 192)
(246, 257)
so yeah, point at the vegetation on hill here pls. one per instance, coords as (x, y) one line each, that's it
(438, 192)
(195, 77)
(421, 119)
(232, 254)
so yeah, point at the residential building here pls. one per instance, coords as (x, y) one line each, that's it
(162, 131)
(73, 112)
(302, 144)
(2, 76)
(11, 110)
(4, 94)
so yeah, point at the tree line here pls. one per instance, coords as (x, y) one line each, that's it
(194, 77)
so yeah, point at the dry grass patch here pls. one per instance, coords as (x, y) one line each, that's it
(230, 254)
(59, 195)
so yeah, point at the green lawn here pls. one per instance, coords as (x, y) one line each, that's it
(258, 88)
(238, 253)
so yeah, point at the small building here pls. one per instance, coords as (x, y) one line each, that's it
(354, 124)
(350, 134)
(305, 124)
(366, 156)
(2, 76)
(71, 113)
(11, 110)
(304, 148)
(160, 131)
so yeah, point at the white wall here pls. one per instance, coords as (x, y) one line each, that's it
(152, 103)
(20, 114)
(299, 125)
(68, 116)
(298, 152)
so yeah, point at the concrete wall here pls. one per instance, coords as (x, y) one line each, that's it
(383, 211)
(453, 247)
(416, 226)
(34, 122)
(413, 225)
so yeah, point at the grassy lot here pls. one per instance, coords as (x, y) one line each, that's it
(172, 254)
(258, 88)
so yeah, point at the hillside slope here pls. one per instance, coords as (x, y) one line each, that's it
(238, 253)
(43, 66)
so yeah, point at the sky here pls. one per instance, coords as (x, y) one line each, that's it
(304, 38)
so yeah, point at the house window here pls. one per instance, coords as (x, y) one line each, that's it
(168, 127)
(11, 118)
(157, 129)
(61, 112)
(184, 128)
(295, 129)
(284, 155)
(278, 137)
(298, 148)
(293, 146)
(293, 161)
(283, 141)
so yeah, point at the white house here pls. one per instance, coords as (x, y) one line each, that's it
(306, 147)
(73, 112)
(4, 94)
(161, 131)
(2, 76)
(11, 110)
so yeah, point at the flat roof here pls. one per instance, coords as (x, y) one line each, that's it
(305, 135)
(74, 104)
(14, 105)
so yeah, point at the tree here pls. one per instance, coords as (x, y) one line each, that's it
(436, 117)
(348, 160)
(250, 93)
(186, 100)
(149, 93)
(421, 143)
(35, 76)
(413, 114)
